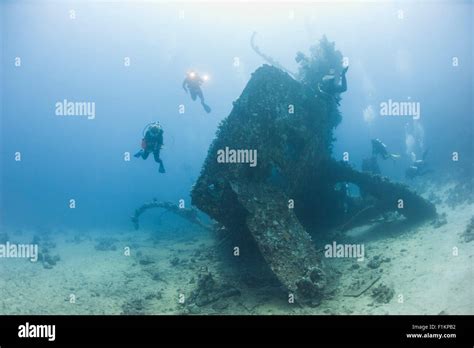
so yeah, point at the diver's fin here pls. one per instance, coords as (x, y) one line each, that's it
(162, 168)
(206, 107)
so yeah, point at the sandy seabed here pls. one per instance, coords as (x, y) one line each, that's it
(429, 269)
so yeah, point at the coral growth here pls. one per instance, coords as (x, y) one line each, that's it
(468, 234)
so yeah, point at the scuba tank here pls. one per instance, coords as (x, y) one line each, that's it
(145, 130)
(148, 126)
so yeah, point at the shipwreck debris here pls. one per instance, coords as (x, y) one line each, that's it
(295, 164)
(208, 291)
(189, 214)
(362, 283)
(267, 58)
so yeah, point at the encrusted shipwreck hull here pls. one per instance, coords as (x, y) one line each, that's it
(291, 130)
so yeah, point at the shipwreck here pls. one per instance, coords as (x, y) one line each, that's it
(281, 204)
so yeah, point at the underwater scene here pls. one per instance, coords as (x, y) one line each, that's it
(236, 157)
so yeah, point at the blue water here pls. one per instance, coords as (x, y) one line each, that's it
(82, 59)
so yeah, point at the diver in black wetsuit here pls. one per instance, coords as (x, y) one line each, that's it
(330, 87)
(370, 164)
(152, 142)
(379, 148)
(193, 83)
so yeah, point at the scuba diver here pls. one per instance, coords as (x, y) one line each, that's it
(329, 85)
(418, 167)
(152, 141)
(302, 60)
(193, 82)
(379, 148)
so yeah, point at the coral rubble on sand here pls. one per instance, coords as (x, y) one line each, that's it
(382, 293)
(468, 234)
